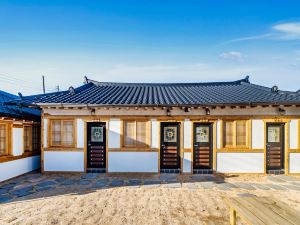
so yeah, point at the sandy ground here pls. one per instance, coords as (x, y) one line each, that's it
(132, 206)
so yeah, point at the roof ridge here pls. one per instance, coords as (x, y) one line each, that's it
(236, 82)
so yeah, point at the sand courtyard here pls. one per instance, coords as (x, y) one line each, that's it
(135, 199)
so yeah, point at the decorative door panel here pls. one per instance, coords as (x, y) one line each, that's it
(96, 145)
(170, 146)
(275, 146)
(202, 146)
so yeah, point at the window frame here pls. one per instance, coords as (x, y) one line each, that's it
(148, 135)
(234, 136)
(7, 150)
(61, 133)
(30, 138)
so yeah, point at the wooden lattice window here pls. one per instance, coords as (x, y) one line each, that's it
(135, 134)
(235, 134)
(36, 138)
(62, 133)
(27, 138)
(3, 140)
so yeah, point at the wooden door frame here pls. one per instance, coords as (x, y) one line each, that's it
(283, 127)
(179, 141)
(211, 140)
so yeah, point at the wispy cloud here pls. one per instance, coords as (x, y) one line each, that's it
(282, 31)
(233, 56)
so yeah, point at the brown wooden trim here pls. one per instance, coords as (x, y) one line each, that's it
(30, 138)
(51, 149)
(187, 150)
(132, 150)
(294, 150)
(8, 158)
(240, 150)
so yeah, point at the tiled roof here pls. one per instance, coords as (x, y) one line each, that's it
(240, 92)
(15, 111)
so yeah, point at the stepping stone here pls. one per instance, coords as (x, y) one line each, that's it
(60, 179)
(276, 187)
(134, 182)
(100, 184)
(150, 182)
(46, 183)
(296, 183)
(225, 186)
(69, 182)
(275, 179)
(288, 178)
(260, 186)
(3, 191)
(198, 178)
(85, 182)
(45, 188)
(292, 187)
(168, 177)
(5, 198)
(207, 184)
(245, 195)
(172, 185)
(89, 176)
(117, 183)
(7, 186)
(245, 186)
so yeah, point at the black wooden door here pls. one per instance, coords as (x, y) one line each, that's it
(96, 145)
(170, 146)
(275, 146)
(202, 146)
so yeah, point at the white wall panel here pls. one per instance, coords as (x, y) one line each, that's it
(187, 134)
(240, 162)
(219, 134)
(45, 132)
(64, 161)
(187, 162)
(18, 167)
(258, 135)
(18, 141)
(294, 164)
(114, 129)
(294, 134)
(154, 133)
(133, 162)
(80, 133)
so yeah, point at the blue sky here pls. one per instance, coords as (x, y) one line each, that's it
(148, 41)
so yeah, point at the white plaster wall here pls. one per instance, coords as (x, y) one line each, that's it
(258, 136)
(218, 134)
(294, 163)
(114, 129)
(18, 141)
(240, 162)
(18, 167)
(187, 134)
(154, 134)
(63, 161)
(294, 134)
(80, 133)
(133, 162)
(187, 162)
(45, 132)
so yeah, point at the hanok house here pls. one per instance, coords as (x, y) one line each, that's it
(203, 128)
(19, 138)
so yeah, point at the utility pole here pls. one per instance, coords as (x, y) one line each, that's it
(44, 84)
(57, 88)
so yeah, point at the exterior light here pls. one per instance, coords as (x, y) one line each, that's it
(207, 111)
